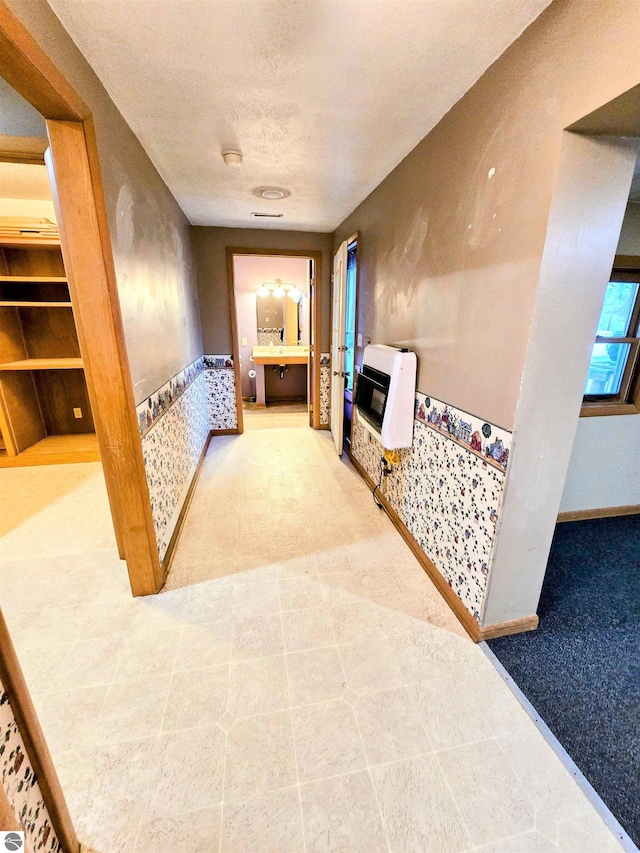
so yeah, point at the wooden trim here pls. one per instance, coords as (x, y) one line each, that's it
(22, 149)
(316, 319)
(34, 742)
(26, 67)
(215, 432)
(355, 237)
(474, 630)
(73, 178)
(502, 629)
(177, 531)
(603, 410)
(629, 262)
(235, 344)
(602, 512)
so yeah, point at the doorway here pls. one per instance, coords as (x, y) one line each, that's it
(343, 342)
(275, 317)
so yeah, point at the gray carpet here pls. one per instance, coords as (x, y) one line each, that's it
(581, 668)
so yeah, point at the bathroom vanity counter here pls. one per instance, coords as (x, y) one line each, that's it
(280, 355)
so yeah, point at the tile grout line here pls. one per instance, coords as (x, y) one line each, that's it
(463, 823)
(160, 732)
(364, 752)
(598, 804)
(293, 735)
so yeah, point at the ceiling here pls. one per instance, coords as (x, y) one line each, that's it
(323, 97)
(24, 181)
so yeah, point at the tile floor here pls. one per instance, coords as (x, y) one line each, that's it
(299, 685)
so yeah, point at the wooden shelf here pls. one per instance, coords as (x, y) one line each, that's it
(32, 279)
(55, 450)
(27, 242)
(6, 304)
(43, 364)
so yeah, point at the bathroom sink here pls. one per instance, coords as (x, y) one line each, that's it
(281, 355)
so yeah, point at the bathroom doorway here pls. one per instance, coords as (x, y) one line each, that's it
(275, 321)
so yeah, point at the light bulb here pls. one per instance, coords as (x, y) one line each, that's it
(262, 291)
(294, 293)
(279, 292)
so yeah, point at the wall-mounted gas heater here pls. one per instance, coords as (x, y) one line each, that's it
(385, 394)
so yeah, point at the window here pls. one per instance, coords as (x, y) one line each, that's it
(614, 369)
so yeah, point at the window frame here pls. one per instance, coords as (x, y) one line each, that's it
(627, 401)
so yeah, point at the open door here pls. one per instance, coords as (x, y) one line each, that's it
(337, 345)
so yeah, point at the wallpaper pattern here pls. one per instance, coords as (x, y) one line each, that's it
(21, 785)
(447, 490)
(171, 450)
(325, 388)
(174, 423)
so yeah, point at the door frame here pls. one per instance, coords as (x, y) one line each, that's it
(86, 248)
(355, 237)
(315, 318)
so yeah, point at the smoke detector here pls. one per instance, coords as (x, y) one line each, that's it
(232, 157)
(271, 193)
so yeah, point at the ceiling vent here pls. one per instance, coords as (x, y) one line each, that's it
(268, 215)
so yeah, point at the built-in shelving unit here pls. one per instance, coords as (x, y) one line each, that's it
(45, 415)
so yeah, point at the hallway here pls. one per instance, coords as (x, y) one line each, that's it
(298, 686)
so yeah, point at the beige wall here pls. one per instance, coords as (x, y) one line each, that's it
(451, 241)
(149, 232)
(209, 247)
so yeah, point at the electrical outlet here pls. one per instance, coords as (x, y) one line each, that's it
(77, 413)
(244, 342)
(359, 340)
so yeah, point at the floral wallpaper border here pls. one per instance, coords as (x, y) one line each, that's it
(488, 441)
(21, 786)
(149, 411)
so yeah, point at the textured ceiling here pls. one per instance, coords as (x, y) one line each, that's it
(323, 97)
(24, 180)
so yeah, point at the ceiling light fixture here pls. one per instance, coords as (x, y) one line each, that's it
(271, 193)
(232, 157)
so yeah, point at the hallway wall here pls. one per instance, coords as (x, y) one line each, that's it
(451, 242)
(149, 232)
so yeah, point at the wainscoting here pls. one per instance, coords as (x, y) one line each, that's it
(447, 491)
(175, 423)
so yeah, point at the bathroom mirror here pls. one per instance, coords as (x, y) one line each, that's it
(279, 320)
